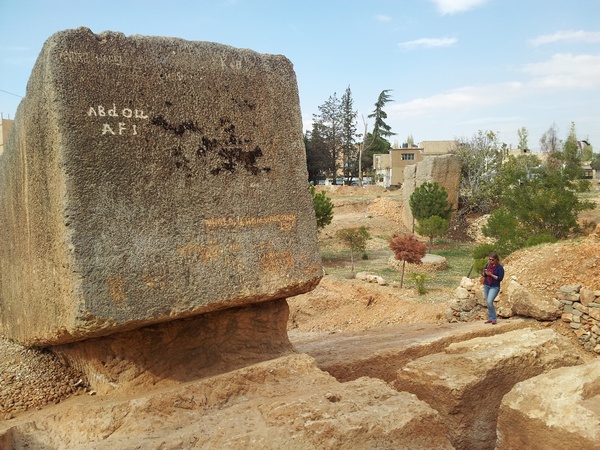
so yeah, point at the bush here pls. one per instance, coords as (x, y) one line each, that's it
(323, 208)
(419, 279)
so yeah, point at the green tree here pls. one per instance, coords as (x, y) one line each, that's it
(432, 227)
(355, 239)
(376, 146)
(596, 161)
(430, 199)
(571, 158)
(407, 249)
(348, 136)
(534, 210)
(523, 135)
(376, 142)
(323, 207)
(550, 144)
(380, 128)
(316, 155)
(328, 126)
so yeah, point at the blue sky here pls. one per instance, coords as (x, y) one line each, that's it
(454, 66)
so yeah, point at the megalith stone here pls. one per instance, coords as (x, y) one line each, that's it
(147, 179)
(556, 410)
(443, 169)
(467, 381)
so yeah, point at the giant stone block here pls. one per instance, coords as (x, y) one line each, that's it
(148, 179)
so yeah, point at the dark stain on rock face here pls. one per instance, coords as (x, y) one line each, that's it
(230, 149)
(177, 129)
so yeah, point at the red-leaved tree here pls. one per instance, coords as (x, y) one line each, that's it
(407, 249)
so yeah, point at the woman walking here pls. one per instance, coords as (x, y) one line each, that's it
(493, 273)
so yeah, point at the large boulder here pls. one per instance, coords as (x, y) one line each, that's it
(147, 179)
(554, 411)
(524, 303)
(467, 382)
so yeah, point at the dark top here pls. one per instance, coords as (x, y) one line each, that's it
(499, 272)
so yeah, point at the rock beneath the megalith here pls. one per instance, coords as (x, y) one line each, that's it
(286, 403)
(178, 351)
(147, 179)
(466, 383)
(524, 303)
(557, 410)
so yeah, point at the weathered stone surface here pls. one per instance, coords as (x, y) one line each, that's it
(443, 169)
(386, 350)
(147, 179)
(554, 411)
(265, 406)
(586, 296)
(179, 351)
(467, 381)
(523, 303)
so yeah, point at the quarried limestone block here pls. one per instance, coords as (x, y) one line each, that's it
(554, 411)
(467, 381)
(147, 179)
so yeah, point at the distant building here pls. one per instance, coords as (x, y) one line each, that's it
(5, 125)
(389, 167)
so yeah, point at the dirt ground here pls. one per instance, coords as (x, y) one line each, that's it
(31, 379)
(341, 304)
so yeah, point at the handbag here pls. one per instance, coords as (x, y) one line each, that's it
(482, 280)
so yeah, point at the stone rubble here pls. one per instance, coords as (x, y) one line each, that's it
(574, 304)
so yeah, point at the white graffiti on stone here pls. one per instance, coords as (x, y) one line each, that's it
(120, 128)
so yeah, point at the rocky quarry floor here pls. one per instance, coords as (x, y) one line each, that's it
(368, 366)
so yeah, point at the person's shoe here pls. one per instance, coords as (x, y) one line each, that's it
(493, 322)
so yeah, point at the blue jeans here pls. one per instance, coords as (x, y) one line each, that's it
(490, 293)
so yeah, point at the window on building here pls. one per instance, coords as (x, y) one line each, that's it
(408, 156)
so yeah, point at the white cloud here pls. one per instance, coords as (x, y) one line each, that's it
(383, 18)
(462, 98)
(563, 72)
(428, 43)
(457, 6)
(569, 36)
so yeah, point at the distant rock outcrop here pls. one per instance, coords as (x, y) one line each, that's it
(443, 169)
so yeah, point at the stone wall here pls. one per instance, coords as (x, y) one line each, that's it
(147, 179)
(582, 311)
(574, 304)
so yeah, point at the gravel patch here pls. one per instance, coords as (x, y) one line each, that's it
(32, 378)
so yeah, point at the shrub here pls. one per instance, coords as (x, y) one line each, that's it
(323, 208)
(419, 279)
